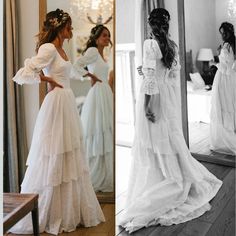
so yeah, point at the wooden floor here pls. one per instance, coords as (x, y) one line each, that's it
(219, 221)
(104, 229)
(199, 144)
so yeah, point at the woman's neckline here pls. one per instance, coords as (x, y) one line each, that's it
(60, 54)
(102, 57)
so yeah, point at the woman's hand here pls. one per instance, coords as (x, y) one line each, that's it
(94, 79)
(150, 115)
(51, 81)
(53, 84)
(148, 112)
(140, 70)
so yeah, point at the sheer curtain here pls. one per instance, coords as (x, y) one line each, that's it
(15, 142)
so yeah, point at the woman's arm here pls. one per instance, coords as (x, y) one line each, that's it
(150, 87)
(32, 70)
(149, 114)
(89, 57)
(93, 77)
(51, 81)
(111, 80)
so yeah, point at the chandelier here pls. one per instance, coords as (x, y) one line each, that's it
(93, 11)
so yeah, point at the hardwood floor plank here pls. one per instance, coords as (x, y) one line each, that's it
(195, 228)
(199, 143)
(221, 199)
(119, 229)
(219, 160)
(202, 225)
(104, 229)
(225, 223)
(141, 232)
(109, 225)
(218, 170)
(168, 230)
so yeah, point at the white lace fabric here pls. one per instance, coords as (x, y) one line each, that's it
(153, 69)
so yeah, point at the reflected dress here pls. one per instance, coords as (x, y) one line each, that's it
(97, 121)
(166, 184)
(223, 110)
(57, 168)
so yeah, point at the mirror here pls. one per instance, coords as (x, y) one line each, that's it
(202, 22)
(85, 16)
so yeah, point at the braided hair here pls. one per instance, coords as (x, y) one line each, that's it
(159, 22)
(227, 31)
(94, 35)
(54, 23)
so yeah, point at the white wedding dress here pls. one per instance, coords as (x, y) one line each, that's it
(223, 110)
(57, 168)
(166, 184)
(97, 121)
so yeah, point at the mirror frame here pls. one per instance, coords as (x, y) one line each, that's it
(102, 197)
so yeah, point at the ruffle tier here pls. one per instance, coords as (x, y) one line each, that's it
(166, 184)
(100, 143)
(101, 170)
(58, 170)
(63, 208)
(223, 113)
(172, 192)
(97, 120)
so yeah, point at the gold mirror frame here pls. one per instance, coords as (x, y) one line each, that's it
(102, 197)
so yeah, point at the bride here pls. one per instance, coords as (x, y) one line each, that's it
(223, 110)
(57, 168)
(166, 185)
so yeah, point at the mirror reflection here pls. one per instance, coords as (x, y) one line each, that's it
(204, 43)
(91, 52)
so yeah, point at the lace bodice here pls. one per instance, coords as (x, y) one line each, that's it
(95, 63)
(154, 70)
(227, 62)
(53, 65)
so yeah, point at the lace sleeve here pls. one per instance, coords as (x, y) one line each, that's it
(89, 57)
(29, 74)
(151, 53)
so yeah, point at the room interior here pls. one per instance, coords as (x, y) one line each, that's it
(128, 84)
(32, 96)
(184, 24)
(82, 27)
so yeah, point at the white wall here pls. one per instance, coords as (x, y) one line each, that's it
(200, 25)
(125, 21)
(221, 12)
(28, 28)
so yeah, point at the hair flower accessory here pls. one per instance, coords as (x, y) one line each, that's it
(61, 18)
(54, 22)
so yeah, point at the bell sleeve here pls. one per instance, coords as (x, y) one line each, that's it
(151, 52)
(29, 74)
